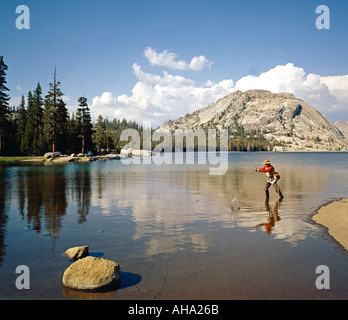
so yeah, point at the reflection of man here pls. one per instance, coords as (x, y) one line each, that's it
(273, 217)
(272, 177)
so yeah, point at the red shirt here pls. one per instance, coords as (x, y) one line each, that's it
(268, 169)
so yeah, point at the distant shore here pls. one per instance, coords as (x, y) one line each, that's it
(334, 216)
(67, 159)
(19, 159)
(57, 160)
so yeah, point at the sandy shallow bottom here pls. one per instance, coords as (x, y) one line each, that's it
(334, 217)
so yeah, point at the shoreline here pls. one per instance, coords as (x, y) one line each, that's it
(59, 160)
(334, 217)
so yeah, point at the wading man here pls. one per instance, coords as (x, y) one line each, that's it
(272, 177)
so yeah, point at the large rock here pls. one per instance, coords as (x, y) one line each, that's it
(92, 274)
(52, 155)
(77, 253)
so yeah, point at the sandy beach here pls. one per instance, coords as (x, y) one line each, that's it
(334, 216)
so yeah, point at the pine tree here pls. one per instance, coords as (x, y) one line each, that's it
(37, 105)
(34, 143)
(4, 111)
(55, 116)
(73, 143)
(62, 126)
(99, 137)
(38, 146)
(29, 126)
(21, 125)
(84, 123)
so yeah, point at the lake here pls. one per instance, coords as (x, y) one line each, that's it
(174, 228)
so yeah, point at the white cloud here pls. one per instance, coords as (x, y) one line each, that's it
(338, 87)
(14, 101)
(106, 99)
(166, 80)
(160, 97)
(66, 98)
(157, 98)
(168, 59)
(278, 79)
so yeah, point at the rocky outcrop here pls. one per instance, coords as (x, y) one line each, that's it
(73, 158)
(343, 127)
(136, 152)
(92, 274)
(77, 253)
(289, 123)
(51, 155)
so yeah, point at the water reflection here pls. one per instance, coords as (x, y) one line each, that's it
(82, 194)
(82, 295)
(165, 209)
(273, 216)
(145, 215)
(3, 215)
(42, 195)
(45, 193)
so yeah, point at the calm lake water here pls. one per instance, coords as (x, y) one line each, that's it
(172, 228)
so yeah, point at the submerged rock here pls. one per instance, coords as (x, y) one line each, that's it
(86, 295)
(77, 253)
(92, 273)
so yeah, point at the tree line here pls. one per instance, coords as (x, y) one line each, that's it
(41, 124)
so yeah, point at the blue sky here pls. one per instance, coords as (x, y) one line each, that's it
(122, 55)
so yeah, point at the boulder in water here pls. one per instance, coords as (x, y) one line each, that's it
(77, 253)
(92, 274)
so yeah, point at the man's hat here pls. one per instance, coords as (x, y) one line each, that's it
(267, 161)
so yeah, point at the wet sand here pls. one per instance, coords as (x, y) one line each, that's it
(334, 217)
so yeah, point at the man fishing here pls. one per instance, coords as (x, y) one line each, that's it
(272, 177)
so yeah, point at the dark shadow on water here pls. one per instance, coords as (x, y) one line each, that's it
(96, 254)
(129, 279)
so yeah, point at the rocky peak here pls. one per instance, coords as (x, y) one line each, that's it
(290, 123)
